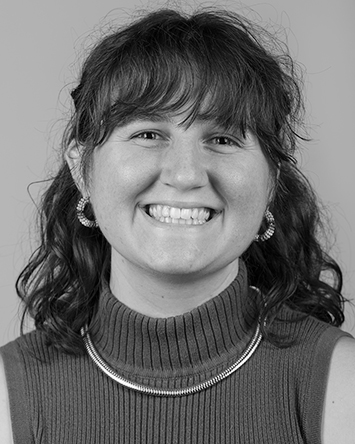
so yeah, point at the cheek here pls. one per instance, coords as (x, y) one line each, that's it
(248, 189)
(116, 184)
(246, 210)
(115, 174)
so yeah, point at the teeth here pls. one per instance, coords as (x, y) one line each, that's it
(165, 211)
(186, 214)
(181, 216)
(175, 213)
(194, 214)
(159, 212)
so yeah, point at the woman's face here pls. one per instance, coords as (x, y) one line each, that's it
(177, 200)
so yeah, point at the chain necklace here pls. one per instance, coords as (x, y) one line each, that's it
(104, 367)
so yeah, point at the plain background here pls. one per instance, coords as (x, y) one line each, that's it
(42, 44)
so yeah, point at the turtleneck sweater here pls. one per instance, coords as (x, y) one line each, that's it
(275, 397)
(176, 352)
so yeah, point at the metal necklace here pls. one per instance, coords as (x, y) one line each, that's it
(103, 366)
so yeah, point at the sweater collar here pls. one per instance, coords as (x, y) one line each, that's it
(204, 338)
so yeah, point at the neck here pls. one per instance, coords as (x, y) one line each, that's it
(168, 295)
(196, 343)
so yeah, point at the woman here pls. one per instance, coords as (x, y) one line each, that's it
(180, 292)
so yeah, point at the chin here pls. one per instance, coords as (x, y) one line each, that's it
(172, 267)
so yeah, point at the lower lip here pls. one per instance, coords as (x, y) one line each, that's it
(180, 226)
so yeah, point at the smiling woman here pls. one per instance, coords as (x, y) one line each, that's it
(180, 255)
(213, 195)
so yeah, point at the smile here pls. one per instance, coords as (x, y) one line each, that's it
(181, 216)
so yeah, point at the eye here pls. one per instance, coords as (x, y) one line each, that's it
(224, 144)
(147, 135)
(149, 139)
(223, 140)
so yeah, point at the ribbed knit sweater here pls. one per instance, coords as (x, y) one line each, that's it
(275, 397)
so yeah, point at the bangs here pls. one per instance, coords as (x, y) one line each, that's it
(160, 81)
(209, 66)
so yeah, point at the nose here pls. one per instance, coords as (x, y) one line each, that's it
(184, 166)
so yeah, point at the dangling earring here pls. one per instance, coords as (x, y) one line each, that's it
(270, 229)
(80, 208)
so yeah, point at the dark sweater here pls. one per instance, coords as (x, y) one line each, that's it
(275, 397)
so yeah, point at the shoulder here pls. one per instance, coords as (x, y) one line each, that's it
(5, 419)
(306, 334)
(21, 362)
(16, 357)
(339, 407)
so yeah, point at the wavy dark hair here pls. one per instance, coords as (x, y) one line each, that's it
(218, 66)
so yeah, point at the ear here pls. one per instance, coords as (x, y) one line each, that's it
(73, 156)
(274, 184)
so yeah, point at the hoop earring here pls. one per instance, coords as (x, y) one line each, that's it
(80, 208)
(270, 229)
